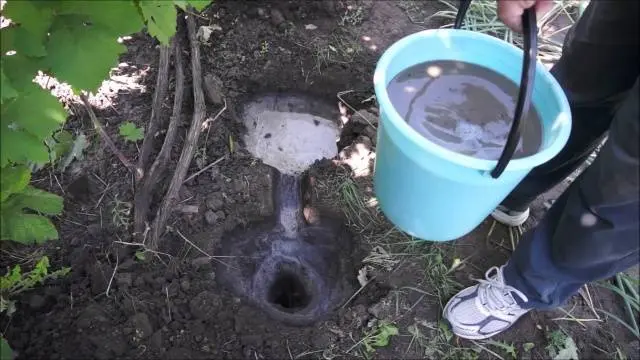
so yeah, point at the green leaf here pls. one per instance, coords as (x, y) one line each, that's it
(20, 147)
(41, 269)
(27, 228)
(5, 350)
(118, 18)
(199, 5)
(11, 278)
(12, 180)
(61, 145)
(38, 200)
(21, 70)
(160, 16)
(130, 132)
(82, 55)
(37, 111)
(33, 18)
(8, 92)
(527, 347)
(79, 144)
(23, 42)
(141, 255)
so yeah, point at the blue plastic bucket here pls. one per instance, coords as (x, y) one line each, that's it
(433, 193)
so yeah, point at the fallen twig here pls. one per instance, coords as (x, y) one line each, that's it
(191, 177)
(112, 276)
(143, 193)
(199, 112)
(103, 134)
(162, 83)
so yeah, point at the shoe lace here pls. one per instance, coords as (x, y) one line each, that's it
(495, 294)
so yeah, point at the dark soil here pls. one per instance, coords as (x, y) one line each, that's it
(170, 305)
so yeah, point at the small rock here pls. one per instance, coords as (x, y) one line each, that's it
(210, 217)
(124, 279)
(261, 12)
(205, 305)
(215, 201)
(178, 353)
(276, 17)
(155, 341)
(185, 284)
(310, 27)
(251, 340)
(172, 289)
(127, 264)
(142, 326)
(37, 301)
(200, 262)
(94, 230)
(370, 132)
(138, 282)
(197, 338)
(213, 87)
(238, 186)
(100, 275)
(220, 215)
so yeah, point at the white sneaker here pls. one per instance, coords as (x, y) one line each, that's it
(484, 310)
(510, 217)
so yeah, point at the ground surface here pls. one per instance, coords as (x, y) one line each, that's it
(113, 305)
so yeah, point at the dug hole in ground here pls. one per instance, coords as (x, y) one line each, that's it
(171, 305)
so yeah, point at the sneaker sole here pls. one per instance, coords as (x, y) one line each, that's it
(472, 337)
(510, 220)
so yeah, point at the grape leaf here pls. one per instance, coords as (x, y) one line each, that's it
(33, 17)
(20, 70)
(38, 112)
(160, 16)
(12, 180)
(35, 199)
(130, 132)
(199, 5)
(82, 55)
(20, 147)
(26, 228)
(8, 92)
(5, 350)
(119, 18)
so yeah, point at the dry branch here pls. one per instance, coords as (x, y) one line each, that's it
(144, 192)
(103, 134)
(199, 112)
(162, 82)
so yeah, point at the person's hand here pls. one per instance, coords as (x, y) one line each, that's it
(510, 11)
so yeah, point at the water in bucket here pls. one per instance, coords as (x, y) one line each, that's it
(463, 107)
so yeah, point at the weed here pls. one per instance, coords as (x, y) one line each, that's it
(264, 48)
(508, 348)
(340, 48)
(130, 132)
(434, 341)
(379, 336)
(121, 213)
(439, 274)
(15, 282)
(626, 287)
(561, 346)
(482, 16)
(353, 15)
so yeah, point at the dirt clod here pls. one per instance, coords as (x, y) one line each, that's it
(141, 325)
(204, 305)
(215, 201)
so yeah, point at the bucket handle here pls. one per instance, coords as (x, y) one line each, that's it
(530, 31)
